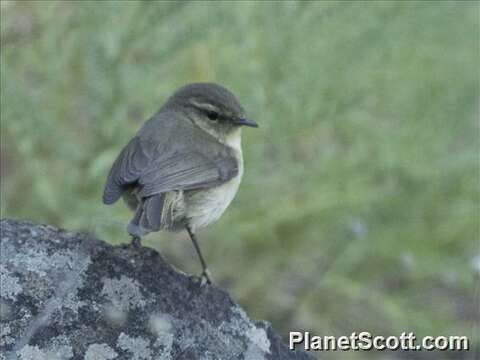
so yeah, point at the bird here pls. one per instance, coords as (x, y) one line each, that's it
(183, 167)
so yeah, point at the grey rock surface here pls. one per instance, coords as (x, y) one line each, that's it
(68, 295)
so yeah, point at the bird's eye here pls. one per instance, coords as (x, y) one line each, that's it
(212, 115)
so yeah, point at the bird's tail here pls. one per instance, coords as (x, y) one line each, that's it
(147, 216)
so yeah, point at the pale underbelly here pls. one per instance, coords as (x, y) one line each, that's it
(204, 207)
(199, 208)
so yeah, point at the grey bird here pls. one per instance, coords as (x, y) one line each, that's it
(183, 167)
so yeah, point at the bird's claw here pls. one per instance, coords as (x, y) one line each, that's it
(136, 242)
(205, 278)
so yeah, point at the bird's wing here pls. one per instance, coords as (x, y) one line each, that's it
(157, 162)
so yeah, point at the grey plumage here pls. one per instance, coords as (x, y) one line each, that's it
(174, 156)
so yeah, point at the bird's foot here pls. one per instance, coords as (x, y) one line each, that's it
(205, 278)
(136, 242)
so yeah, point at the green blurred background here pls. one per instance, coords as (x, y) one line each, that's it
(359, 205)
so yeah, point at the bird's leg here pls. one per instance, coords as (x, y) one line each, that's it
(205, 272)
(136, 241)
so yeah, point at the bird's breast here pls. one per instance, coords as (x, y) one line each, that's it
(203, 207)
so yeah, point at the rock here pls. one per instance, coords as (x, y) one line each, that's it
(70, 296)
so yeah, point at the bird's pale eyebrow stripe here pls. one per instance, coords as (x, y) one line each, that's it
(204, 106)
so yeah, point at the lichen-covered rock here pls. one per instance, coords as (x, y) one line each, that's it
(70, 296)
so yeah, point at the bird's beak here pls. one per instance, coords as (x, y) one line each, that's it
(245, 122)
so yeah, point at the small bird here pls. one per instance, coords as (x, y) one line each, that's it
(183, 167)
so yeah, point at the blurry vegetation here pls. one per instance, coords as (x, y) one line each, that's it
(359, 205)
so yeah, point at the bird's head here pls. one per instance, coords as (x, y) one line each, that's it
(211, 107)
